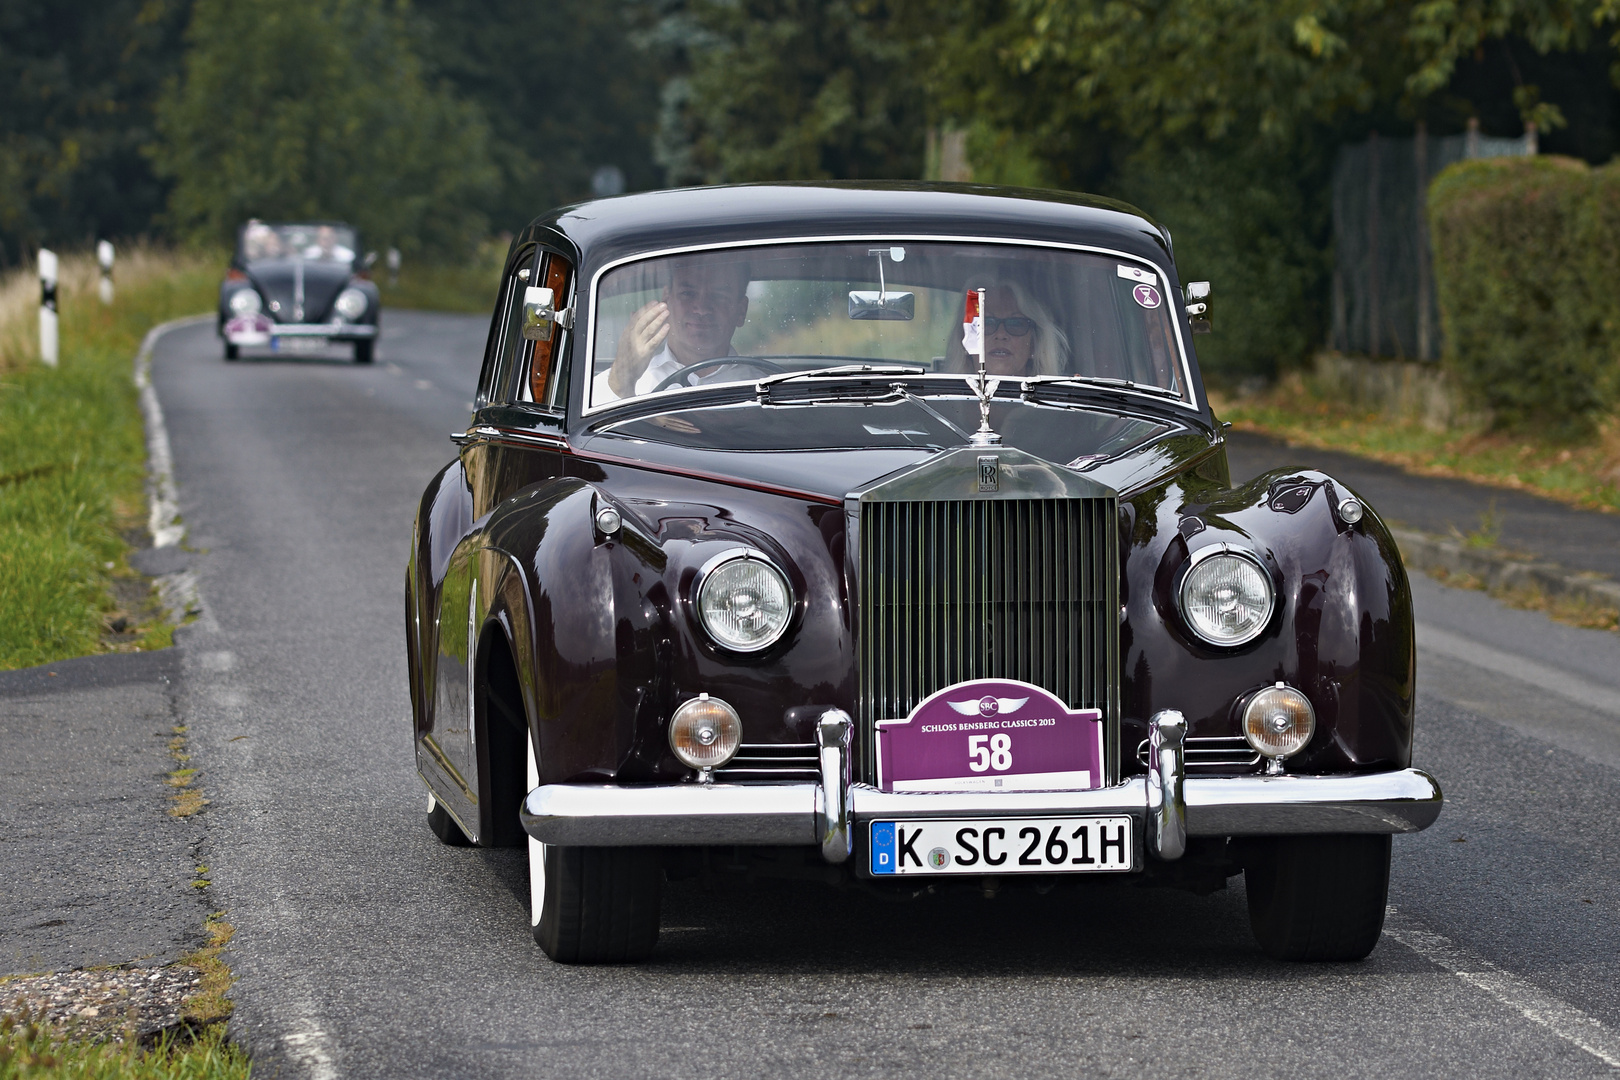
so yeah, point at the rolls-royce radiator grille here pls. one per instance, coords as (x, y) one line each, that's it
(1021, 589)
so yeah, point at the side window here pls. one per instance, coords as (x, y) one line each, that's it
(511, 349)
(546, 383)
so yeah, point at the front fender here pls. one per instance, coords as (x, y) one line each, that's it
(1342, 632)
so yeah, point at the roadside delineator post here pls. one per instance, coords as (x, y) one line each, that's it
(47, 306)
(104, 256)
(393, 267)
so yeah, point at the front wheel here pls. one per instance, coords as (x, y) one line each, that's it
(232, 352)
(1317, 897)
(592, 905)
(363, 351)
(444, 826)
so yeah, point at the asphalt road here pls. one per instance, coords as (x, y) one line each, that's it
(365, 948)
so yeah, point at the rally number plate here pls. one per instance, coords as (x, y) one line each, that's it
(1045, 845)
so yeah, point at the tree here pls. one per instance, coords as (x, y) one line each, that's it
(319, 109)
(78, 83)
(572, 93)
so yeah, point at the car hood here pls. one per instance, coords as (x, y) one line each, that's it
(831, 448)
(277, 281)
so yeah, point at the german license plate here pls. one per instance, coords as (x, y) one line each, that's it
(299, 345)
(1044, 845)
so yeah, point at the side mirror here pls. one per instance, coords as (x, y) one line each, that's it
(1197, 309)
(884, 306)
(371, 257)
(540, 315)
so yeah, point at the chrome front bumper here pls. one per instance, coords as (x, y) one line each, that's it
(829, 814)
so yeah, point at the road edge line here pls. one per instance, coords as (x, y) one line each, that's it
(1499, 570)
(1517, 993)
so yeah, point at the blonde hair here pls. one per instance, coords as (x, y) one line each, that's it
(1050, 355)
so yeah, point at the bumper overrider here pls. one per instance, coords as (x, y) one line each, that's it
(1167, 805)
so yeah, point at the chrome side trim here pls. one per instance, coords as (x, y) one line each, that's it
(832, 797)
(1167, 769)
(1387, 802)
(675, 815)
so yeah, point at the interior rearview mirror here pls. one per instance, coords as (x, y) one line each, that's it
(885, 306)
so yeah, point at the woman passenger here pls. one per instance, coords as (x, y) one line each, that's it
(1021, 337)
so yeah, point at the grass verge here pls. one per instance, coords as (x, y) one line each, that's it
(73, 453)
(1585, 475)
(432, 285)
(30, 1051)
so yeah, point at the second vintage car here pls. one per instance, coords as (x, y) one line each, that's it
(885, 535)
(298, 287)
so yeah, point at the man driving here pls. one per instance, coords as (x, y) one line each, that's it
(702, 307)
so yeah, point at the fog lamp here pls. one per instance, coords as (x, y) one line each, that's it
(705, 733)
(1278, 721)
(245, 302)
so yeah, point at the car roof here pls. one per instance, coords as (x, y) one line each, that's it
(606, 230)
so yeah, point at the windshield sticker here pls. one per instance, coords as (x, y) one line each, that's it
(1146, 295)
(1136, 273)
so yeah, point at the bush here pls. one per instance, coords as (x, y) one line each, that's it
(1524, 261)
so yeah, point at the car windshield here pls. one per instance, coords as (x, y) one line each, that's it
(673, 324)
(323, 243)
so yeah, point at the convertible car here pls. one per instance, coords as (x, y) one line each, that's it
(298, 287)
(884, 535)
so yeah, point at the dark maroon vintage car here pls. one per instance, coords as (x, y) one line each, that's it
(884, 534)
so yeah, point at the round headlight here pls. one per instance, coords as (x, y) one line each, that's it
(1226, 598)
(744, 602)
(245, 302)
(1279, 721)
(705, 732)
(351, 304)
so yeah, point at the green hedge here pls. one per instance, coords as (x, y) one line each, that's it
(1525, 264)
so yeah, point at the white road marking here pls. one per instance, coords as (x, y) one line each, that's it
(309, 1049)
(1559, 1017)
(1542, 676)
(164, 520)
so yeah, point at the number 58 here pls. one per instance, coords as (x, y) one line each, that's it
(997, 755)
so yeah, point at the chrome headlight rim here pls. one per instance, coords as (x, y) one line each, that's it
(1203, 555)
(705, 575)
(245, 301)
(355, 296)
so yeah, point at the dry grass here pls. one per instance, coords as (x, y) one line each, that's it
(1585, 475)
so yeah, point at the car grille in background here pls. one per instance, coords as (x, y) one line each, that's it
(1022, 589)
(772, 761)
(1228, 753)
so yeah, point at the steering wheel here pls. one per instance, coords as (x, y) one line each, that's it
(691, 369)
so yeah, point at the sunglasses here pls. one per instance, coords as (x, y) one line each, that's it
(1017, 326)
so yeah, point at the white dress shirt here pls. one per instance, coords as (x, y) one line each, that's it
(660, 367)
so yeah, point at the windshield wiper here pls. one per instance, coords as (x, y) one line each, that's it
(762, 388)
(1097, 381)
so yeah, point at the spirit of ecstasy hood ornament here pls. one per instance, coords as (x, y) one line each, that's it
(973, 340)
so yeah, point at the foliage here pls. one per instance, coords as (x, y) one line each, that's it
(73, 452)
(1585, 475)
(77, 86)
(447, 285)
(319, 109)
(570, 94)
(790, 89)
(31, 1051)
(1524, 257)
(1242, 220)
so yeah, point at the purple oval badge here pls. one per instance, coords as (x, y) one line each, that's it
(1146, 295)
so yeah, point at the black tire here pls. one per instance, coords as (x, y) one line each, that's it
(598, 905)
(444, 826)
(233, 352)
(363, 351)
(1317, 898)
